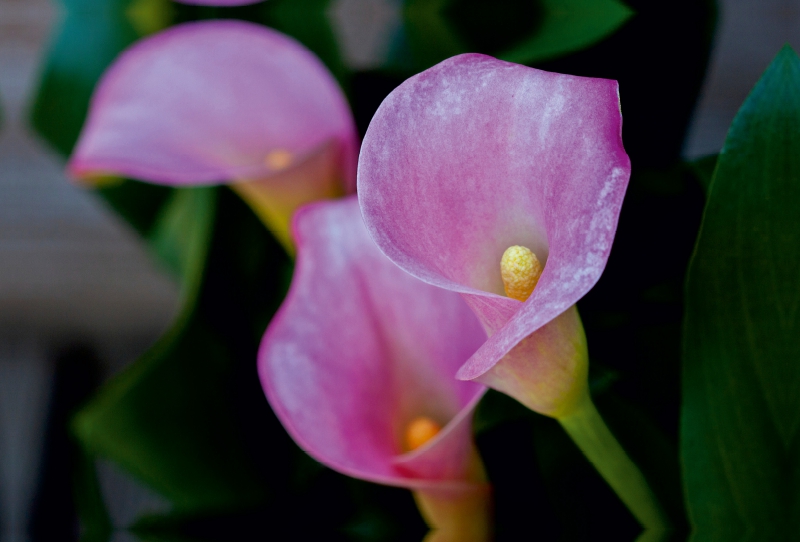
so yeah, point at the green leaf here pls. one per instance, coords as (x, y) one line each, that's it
(150, 16)
(523, 32)
(138, 203)
(181, 236)
(166, 419)
(96, 525)
(703, 168)
(741, 402)
(429, 34)
(567, 26)
(309, 23)
(93, 32)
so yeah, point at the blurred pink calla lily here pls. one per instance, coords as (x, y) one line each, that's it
(359, 352)
(223, 102)
(476, 155)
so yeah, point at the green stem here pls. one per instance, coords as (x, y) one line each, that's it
(588, 430)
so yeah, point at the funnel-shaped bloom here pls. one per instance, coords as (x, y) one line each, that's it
(504, 183)
(359, 365)
(476, 155)
(223, 102)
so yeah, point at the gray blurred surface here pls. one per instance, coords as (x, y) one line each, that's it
(750, 34)
(23, 404)
(69, 269)
(364, 30)
(67, 264)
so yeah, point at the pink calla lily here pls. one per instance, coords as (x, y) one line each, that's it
(475, 155)
(470, 172)
(223, 102)
(358, 351)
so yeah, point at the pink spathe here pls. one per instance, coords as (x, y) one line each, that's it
(208, 102)
(360, 348)
(475, 155)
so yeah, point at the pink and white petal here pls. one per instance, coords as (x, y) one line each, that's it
(207, 102)
(360, 348)
(475, 155)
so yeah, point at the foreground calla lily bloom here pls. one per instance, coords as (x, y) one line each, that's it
(505, 183)
(223, 102)
(359, 366)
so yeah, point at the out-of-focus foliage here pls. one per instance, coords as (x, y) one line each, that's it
(703, 169)
(170, 400)
(522, 32)
(568, 25)
(741, 376)
(90, 36)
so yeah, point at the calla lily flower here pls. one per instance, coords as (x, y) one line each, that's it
(504, 183)
(359, 366)
(223, 102)
(477, 155)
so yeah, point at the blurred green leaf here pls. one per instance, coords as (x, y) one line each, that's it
(181, 236)
(138, 203)
(523, 32)
(741, 405)
(569, 25)
(92, 33)
(308, 22)
(166, 418)
(429, 34)
(703, 169)
(95, 522)
(150, 16)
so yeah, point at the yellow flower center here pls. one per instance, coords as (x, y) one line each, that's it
(419, 431)
(520, 269)
(278, 159)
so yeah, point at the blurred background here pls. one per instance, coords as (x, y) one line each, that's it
(81, 296)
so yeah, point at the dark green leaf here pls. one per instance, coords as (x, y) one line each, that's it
(741, 404)
(523, 32)
(703, 169)
(166, 418)
(308, 22)
(429, 34)
(95, 522)
(150, 16)
(93, 32)
(137, 202)
(569, 25)
(182, 233)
